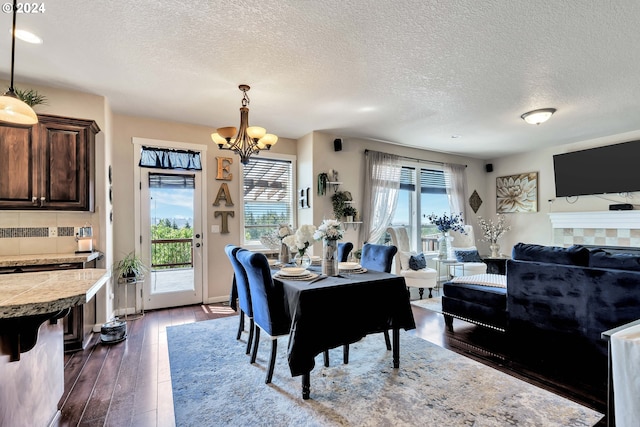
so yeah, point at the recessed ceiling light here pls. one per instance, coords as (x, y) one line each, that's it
(456, 136)
(27, 36)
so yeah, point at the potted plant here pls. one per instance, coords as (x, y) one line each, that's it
(338, 200)
(131, 266)
(349, 212)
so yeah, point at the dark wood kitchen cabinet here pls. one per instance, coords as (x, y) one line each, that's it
(50, 165)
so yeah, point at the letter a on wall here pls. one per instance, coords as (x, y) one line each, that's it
(223, 194)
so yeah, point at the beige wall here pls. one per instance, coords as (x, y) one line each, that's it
(350, 166)
(536, 227)
(220, 273)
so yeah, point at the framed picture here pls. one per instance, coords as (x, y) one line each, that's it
(517, 193)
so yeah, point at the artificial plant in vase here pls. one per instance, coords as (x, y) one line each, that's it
(350, 213)
(445, 224)
(338, 202)
(491, 232)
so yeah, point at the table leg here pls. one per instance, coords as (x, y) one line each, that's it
(396, 348)
(306, 385)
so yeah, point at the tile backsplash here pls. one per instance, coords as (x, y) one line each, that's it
(28, 233)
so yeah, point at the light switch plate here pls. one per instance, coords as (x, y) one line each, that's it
(215, 228)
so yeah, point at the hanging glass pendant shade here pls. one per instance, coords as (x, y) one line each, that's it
(13, 110)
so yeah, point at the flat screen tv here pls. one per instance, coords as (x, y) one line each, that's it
(610, 169)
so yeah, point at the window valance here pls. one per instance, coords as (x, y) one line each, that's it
(164, 158)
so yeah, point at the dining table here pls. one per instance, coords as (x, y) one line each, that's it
(331, 311)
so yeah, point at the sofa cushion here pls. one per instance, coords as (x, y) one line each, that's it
(620, 261)
(467, 255)
(417, 262)
(573, 255)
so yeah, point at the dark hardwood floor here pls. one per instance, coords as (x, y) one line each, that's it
(129, 383)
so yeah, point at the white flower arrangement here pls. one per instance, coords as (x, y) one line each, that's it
(284, 230)
(493, 231)
(330, 229)
(301, 239)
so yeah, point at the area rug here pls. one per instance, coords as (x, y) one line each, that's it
(433, 304)
(214, 384)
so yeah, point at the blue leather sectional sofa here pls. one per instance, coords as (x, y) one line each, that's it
(555, 295)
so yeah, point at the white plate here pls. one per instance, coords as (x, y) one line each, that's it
(349, 266)
(293, 271)
(315, 258)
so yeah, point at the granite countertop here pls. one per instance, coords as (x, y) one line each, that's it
(44, 259)
(27, 294)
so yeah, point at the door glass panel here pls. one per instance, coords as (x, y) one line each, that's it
(171, 218)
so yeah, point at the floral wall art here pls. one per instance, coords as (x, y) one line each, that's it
(517, 193)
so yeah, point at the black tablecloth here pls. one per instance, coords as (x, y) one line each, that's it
(340, 310)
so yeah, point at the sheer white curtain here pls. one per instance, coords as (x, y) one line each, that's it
(381, 185)
(457, 191)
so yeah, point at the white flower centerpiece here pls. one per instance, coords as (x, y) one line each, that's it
(330, 231)
(491, 232)
(299, 242)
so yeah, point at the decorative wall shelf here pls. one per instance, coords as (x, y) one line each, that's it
(335, 184)
(354, 223)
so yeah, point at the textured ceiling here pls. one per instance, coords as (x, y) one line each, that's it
(408, 72)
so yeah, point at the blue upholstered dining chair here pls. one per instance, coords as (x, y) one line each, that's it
(268, 304)
(244, 295)
(343, 251)
(379, 258)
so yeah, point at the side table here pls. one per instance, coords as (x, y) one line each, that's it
(127, 281)
(443, 267)
(496, 265)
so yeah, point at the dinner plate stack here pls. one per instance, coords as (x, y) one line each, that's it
(316, 260)
(295, 273)
(351, 267)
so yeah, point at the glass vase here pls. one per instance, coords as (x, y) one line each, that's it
(495, 250)
(284, 257)
(445, 248)
(302, 260)
(330, 257)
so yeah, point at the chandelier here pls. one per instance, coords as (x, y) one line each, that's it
(12, 109)
(249, 139)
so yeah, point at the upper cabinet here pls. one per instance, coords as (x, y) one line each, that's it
(48, 166)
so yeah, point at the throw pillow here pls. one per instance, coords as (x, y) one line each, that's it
(467, 255)
(417, 262)
(404, 259)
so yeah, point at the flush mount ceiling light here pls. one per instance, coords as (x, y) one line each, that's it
(28, 36)
(536, 117)
(13, 110)
(249, 139)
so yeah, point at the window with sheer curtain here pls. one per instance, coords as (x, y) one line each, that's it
(268, 196)
(424, 190)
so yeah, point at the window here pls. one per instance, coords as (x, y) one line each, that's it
(415, 203)
(267, 195)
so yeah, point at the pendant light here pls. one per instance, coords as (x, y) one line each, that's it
(249, 139)
(13, 110)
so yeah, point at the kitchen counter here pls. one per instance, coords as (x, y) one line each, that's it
(31, 339)
(28, 294)
(46, 259)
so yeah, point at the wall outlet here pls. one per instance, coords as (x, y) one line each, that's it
(53, 231)
(215, 228)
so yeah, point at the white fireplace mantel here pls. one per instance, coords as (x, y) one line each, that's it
(604, 219)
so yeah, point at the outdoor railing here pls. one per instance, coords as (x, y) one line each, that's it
(430, 243)
(171, 253)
